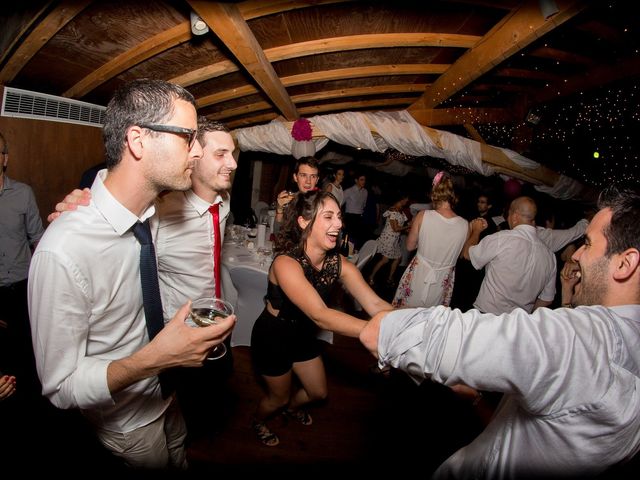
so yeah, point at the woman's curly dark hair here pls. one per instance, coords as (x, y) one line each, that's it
(306, 205)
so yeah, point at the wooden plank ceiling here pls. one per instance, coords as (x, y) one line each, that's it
(449, 63)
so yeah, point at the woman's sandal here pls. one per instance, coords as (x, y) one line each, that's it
(266, 436)
(300, 415)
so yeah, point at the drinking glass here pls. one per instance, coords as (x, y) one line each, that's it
(206, 311)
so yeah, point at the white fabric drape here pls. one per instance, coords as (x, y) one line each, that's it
(398, 130)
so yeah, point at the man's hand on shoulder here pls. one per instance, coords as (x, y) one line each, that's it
(71, 202)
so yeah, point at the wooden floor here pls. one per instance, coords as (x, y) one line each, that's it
(367, 421)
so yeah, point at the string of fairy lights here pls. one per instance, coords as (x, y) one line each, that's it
(593, 138)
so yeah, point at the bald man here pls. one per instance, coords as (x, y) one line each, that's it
(520, 268)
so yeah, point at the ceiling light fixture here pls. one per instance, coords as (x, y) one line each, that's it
(548, 8)
(198, 26)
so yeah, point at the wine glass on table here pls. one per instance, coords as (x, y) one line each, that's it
(208, 311)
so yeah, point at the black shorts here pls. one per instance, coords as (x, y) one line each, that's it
(276, 344)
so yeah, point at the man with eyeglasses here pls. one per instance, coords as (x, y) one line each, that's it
(90, 333)
(185, 250)
(305, 176)
(20, 231)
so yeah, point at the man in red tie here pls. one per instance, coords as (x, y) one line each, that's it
(190, 237)
(188, 252)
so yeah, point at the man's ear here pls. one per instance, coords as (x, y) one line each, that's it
(627, 263)
(134, 141)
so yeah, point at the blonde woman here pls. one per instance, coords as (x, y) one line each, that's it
(439, 236)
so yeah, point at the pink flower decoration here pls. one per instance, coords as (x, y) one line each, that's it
(437, 178)
(301, 130)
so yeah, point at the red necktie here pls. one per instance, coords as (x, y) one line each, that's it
(215, 212)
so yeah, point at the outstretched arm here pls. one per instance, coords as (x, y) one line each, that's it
(290, 277)
(371, 332)
(476, 226)
(357, 286)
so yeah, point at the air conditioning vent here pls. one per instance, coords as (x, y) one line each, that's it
(25, 104)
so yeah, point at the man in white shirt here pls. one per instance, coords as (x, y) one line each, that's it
(186, 244)
(185, 235)
(90, 337)
(355, 199)
(520, 269)
(570, 376)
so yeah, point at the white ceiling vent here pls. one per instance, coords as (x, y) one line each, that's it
(40, 106)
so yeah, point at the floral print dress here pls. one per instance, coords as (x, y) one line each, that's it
(389, 241)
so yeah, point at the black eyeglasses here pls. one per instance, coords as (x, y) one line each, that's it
(188, 132)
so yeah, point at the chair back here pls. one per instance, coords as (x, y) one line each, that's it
(251, 285)
(365, 254)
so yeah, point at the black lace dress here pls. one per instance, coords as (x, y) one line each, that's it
(278, 342)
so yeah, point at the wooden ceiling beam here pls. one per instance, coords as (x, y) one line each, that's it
(516, 31)
(325, 76)
(175, 36)
(373, 40)
(261, 8)
(435, 117)
(342, 74)
(459, 116)
(62, 14)
(9, 25)
(359, 91)
(141, 52)
(226, 21)
(563, 56)
(327, 45)
(339, 93)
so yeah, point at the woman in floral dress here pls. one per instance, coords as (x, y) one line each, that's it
(389, 240)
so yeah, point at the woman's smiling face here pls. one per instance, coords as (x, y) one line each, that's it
(327, 225)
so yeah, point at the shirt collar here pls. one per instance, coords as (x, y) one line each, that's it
(120, 218)
(201, 206)
(7, 185)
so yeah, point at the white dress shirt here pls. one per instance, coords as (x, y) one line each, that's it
(570, 378)
(519, 269)
(185, 248)
(355, 199)
(86, 309)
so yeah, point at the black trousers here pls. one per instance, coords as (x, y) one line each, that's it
(354, 228)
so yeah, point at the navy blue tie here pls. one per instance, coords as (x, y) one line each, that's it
(151, 290)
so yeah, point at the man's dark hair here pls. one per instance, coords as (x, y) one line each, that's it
(205, 126)
(311, 161)
(139, 101)
(624, 229)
